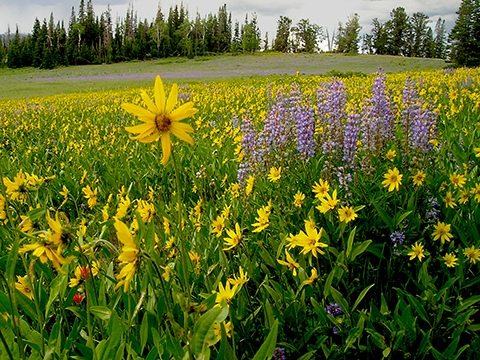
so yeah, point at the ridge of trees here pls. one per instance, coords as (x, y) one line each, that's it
(91, 39)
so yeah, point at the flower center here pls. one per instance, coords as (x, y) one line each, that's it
(162, 122)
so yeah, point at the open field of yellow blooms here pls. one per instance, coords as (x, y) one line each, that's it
(296, 217)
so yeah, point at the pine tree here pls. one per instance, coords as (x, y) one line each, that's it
(465, 35)
(282, 38)
(440, 39)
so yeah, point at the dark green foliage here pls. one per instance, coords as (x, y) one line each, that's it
(465, 35)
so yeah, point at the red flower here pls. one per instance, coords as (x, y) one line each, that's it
(78, 298)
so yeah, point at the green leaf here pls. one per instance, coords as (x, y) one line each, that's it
(340, 300)
(143, 332)
(361, 296)
(399, 219)
(57, 287)
(204, 326)
(174, 347)
(360, 248)
(102, 312)
(385, 217)
(328, 284)
(351, 237)
(377, 338)
(268, 347)
(12, 261)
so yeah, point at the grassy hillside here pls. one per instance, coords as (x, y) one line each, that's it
(29, 82)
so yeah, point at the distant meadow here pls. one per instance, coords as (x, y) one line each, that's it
(288, 215)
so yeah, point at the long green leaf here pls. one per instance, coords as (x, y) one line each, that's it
(268, 347)
(361, 296)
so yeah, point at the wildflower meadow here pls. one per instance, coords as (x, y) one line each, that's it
(281, 217)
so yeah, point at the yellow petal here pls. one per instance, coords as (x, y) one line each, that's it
(138, 111)
(146, 139)
(172, 99)
(159, 95)
(124, 234)
(150, 105)
(180, 130)
(146, 127)
(166, 147)
(182, 112)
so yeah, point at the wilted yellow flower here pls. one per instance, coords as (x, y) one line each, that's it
(22, 286)
(160, 118)
(290, 263)
(128, 257)
(312, 279)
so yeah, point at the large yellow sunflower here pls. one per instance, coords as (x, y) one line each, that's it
(160, 118)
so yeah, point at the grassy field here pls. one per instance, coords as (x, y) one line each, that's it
(30, 82)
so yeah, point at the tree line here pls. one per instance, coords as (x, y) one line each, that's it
(91, 39)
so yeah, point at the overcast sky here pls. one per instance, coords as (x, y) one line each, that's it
(327, 14)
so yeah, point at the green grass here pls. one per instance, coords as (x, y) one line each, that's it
(27, 82)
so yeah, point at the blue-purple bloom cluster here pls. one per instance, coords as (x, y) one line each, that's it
(279, 353)
(433, 208)
(295, 128)
(398, 238)
(333, 309)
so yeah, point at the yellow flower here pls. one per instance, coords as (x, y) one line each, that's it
(321, 189)
(61, 234)
(393, 179)
(463, 197)
(298, 199)
(46, 252)
(391, 154)
(123, 207)
(290, 263)
(225, 293)
(472, 254)
(218, 226)
(312, 279)
(418, 178)
(194, 257)
(22, 286)
(417, 251)
(458, 180)
(167, 272)
(449, 200)
(234, 238)
(249, 187)
(146, 210)
(476, 192)
(477, 151)
(217, 329)
(90, 195)
(347, 214)
(241, 279)
(310, 241)
(275, 174)
(442, 232)
(262, 220)
(160, 118)
(450, 260)
(328, 202)
(128, 257)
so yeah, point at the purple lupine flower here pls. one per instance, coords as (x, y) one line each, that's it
(249, 147)
(333, 309)
(398, 238)
(279, 353)
(305, 132)
(352, 134)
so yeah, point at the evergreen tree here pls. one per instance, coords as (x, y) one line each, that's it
(348, 37)
(14, 52)
(307, 36)
(465, 35)
(379, 37)
(398, 31)
(440, 39)
(282, 38)
(419, 35)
